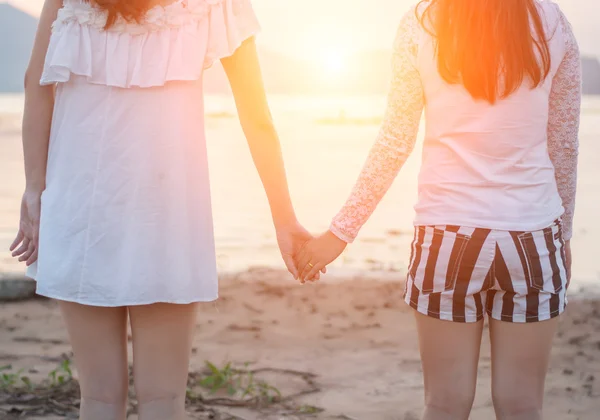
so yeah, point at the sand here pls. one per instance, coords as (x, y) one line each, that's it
(356, 335)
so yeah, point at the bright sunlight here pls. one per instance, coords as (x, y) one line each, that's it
(334, 64)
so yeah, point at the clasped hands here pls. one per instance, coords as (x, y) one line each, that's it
(316, 254)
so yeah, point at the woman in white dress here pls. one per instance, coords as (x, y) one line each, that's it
(117, 183)
(500, 84)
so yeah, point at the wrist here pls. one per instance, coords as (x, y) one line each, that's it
(336, 238)
(35, 187)
(339, 234)
(35, 179)
(285, 221)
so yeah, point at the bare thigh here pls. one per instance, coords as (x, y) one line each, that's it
(99, 340)
(450, 356)
(162, 342)
(520, 358)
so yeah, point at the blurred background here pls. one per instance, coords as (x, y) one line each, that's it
(326, 67)
(346, 348)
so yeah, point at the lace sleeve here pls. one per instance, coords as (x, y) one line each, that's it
(563, 125)
(396, 138)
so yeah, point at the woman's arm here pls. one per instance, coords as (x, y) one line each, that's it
(243, 71)
(393, 146)
(563, 125)
(37, 117)
(245, 78)
(563, 130)
(396, 139)
(39, 103)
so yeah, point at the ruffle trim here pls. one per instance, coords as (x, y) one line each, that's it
(174, 15)
(172, 43)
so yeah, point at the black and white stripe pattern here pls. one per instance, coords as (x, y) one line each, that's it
(459, 273)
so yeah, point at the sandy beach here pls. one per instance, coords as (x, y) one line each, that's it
(343, 348)
(355, 335)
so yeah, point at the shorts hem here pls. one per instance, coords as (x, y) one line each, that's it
(528, 319)
(444, 316)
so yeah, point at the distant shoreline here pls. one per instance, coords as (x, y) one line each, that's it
(587, 291)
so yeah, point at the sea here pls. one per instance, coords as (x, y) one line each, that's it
(325, 142)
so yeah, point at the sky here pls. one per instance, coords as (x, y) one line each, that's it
(314, 28)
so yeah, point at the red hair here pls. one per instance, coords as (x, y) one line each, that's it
(488, 46)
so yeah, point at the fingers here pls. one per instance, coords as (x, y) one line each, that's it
(308, 268)
(291, 265)
(317, 276)
(302, 261)
(33, 258)
(17, 241)
(303, 272)
(315, 270)
(302, 255)
(314, 279)
(304, 268)
(30, 250)
(310, 279)
(22, 249)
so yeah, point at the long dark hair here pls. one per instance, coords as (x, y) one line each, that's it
(488, 45)
(130, 10)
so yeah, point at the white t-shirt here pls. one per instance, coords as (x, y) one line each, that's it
(507, 166)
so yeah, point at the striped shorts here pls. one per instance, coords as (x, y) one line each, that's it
(459, 273)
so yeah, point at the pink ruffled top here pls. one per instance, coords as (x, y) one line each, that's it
(173, 42)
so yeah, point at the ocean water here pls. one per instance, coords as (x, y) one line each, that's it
(325, 142)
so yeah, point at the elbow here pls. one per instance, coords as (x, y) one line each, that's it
(31, 83)
(29, 80)
(265, 126)
(259, 123)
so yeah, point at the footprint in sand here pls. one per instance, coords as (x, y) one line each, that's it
(251, 328)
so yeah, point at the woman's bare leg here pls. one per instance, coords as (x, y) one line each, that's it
(520, 357)
(162, 342)
(99, 340)
(450, 355)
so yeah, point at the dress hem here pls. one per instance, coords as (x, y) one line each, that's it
(126, 303)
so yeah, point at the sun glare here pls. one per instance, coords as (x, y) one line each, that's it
(334, 64)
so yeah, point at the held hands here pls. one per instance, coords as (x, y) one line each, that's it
(316, 254)
(291, 238)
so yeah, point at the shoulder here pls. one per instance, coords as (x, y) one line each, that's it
(410, 26)
(413, 16)
(549, 6)
(553, 15)
(563, 21)
(558, 24)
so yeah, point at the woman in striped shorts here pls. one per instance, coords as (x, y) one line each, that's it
(500, 83)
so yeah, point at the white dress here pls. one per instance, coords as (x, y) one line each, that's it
(126, 214)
